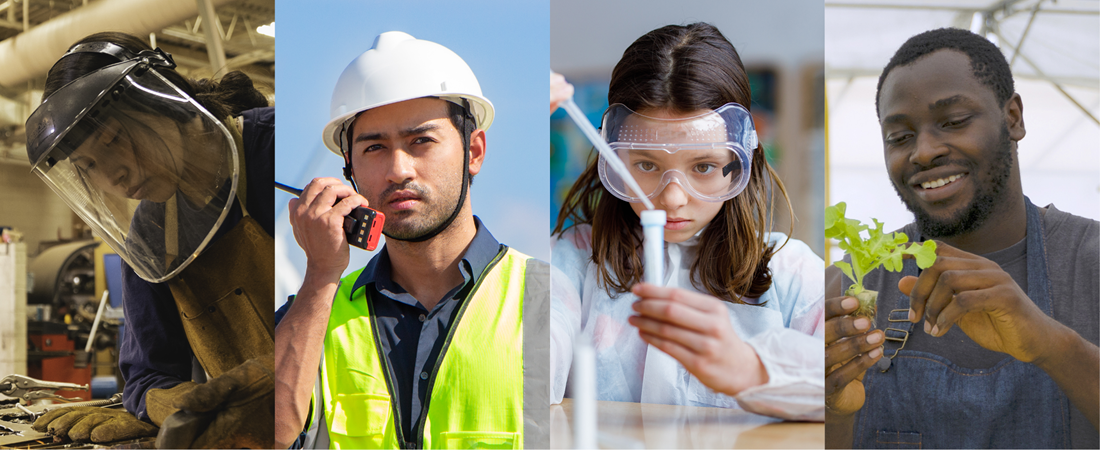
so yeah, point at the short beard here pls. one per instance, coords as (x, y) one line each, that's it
(437, 213)
(986, 197)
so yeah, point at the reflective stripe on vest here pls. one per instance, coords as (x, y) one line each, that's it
(476, 394)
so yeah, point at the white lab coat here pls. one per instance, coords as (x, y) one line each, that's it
(787, 332)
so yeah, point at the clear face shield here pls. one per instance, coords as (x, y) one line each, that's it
(709, 155)
(144, 165)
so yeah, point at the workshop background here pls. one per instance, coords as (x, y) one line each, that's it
(504, 43)
(1054, 52)
(53, 273)
(780, 46)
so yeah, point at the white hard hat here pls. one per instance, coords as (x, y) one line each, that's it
(399, 67)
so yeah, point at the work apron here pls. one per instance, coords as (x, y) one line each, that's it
(923, 400)
(224, 296)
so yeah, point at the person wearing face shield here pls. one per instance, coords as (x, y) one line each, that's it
(175, 176)
(737, 320)
(435, 343)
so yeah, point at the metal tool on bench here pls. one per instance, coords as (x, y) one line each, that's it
(29, 389)
(16, 420)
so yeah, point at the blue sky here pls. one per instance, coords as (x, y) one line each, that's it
(507, 46)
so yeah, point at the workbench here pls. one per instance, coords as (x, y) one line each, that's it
(647, 425)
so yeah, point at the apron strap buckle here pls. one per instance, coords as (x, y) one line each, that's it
(895, 335)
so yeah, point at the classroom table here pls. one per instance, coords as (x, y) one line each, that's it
(647, 425)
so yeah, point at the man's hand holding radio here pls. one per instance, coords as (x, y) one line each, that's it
(317, 217)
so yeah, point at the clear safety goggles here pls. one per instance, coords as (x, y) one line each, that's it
(151, 171)
(709, 155)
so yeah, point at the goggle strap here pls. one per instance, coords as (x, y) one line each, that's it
(729, 168)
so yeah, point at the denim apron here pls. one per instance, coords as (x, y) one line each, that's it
(923, 400)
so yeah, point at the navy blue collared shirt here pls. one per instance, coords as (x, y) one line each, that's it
(410, 334)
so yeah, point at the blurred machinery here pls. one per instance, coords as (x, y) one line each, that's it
(66, 284)
(62, 303)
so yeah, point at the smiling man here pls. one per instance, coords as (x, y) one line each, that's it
(425, 347)
(1005, 353)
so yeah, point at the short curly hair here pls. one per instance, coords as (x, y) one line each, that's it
(987, 63)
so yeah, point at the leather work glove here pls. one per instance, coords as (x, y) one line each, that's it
(161, 403)
(240, 406)
(84, 423)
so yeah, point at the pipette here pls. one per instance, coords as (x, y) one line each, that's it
(653, 221)
(609, 155)
(584, 356)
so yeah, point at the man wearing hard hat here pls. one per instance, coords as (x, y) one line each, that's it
(425, 347)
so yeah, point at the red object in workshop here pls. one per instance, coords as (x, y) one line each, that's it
(46, 367)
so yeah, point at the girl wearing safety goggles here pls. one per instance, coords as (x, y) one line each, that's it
(737, 321)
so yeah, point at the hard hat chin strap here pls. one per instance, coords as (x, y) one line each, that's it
(465, 178)
(345, 150)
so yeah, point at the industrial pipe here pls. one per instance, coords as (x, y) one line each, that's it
(31, 54)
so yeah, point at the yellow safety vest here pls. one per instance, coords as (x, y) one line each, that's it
(475, 394)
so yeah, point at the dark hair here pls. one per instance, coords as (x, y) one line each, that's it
(461, 118)
(463, 121)
(987, 63)
(234, 94)
(681, 69)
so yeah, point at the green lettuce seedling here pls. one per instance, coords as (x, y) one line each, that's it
(877, 249)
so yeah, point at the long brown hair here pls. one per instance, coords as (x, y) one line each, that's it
(681, 69)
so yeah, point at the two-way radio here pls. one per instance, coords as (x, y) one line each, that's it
(363, 226)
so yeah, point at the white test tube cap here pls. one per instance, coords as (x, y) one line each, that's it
(654, 217)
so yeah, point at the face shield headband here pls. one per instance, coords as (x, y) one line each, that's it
(709, 155)
(142, 163)
(345, 146)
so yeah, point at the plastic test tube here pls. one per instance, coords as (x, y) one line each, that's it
(653, 247)
(584, 393)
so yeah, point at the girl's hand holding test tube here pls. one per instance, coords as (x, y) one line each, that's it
(691, 327)
(695, 329)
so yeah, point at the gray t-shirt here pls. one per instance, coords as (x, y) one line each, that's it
(1073, 265)
(956, 345)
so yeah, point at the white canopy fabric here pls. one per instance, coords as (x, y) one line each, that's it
(1056, 71)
